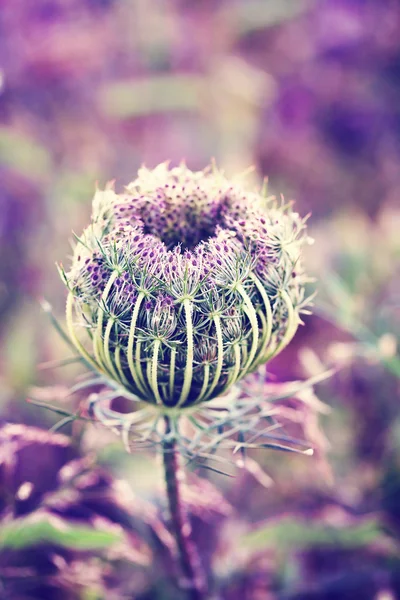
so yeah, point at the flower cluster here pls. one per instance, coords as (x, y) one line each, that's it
(184, 283)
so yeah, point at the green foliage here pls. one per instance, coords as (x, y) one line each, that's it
(32, 531)
(290, 533)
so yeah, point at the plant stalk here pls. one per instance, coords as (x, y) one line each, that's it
(192, 580)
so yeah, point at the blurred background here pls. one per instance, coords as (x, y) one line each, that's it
(307, 92)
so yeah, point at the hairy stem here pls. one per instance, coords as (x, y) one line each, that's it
(193, 579)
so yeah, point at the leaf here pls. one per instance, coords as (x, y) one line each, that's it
(34, 530)
(290, 533)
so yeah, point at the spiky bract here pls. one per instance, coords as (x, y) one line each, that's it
(183, 284)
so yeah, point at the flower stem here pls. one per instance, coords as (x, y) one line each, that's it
(193, 579)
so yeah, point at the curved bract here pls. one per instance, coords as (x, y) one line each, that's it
(183, 284)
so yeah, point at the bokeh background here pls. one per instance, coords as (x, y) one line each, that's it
(306, 92)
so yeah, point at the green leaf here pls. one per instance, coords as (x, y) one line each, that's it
(290, 533)
(34, 530)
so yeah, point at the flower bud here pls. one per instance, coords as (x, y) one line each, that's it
(183, 284)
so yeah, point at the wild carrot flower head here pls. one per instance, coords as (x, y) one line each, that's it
(183, 284)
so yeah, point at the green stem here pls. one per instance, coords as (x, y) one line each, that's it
(172, 373)
(266, 320)
(139, 367)
(98, 334)
(154, 365)
(131, 341)
(188, 375)
(107, 351)
(236, 370)
(119, 366)
(220, 356)
(252, 316)
(70, 326)
(205, 384)
(292, 324)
